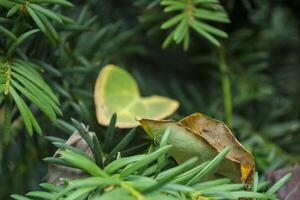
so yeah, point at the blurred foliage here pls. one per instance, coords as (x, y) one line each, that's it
(262, 58)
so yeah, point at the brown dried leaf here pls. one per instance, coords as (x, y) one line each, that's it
(291, 190)
(203, 137)
(56, 172)
(218, 135)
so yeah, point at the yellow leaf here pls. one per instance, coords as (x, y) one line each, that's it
(116, 91)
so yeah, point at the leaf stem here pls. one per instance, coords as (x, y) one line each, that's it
(7, 78)
(226, 86)
(133, 191)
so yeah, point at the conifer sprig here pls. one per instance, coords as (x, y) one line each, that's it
(139, 177)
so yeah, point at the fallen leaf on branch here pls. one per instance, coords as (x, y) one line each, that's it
(200, 136)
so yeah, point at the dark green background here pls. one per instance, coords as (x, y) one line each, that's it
(262, 51)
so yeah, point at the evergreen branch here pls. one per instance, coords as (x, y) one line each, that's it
(193, 14)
